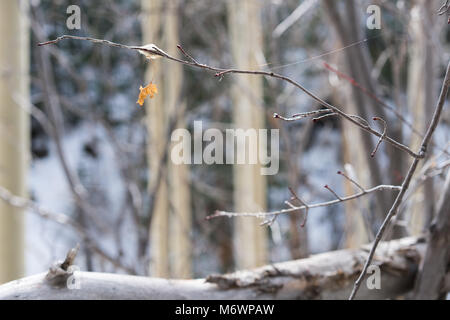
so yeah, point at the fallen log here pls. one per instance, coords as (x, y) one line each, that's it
(328, 275)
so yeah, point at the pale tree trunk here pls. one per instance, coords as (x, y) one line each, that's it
(157, 126)
(328, 275)
(358, 65)
(356, 231)
(173, 196)
(422, 72)
(356, 167)
(14, 132)
(249, 185)
(179, 193)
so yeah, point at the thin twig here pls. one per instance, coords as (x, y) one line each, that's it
(310, 113)
(186, 54)
(310, 206)
(295, 197)
(332, 191)
(444, 8)
(324, 116)
(301, 115)
(381, 138)
(352, 181)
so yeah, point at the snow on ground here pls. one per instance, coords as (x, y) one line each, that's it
(47, 241)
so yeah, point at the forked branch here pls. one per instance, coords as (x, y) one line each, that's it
(153, 51)
(303, 206)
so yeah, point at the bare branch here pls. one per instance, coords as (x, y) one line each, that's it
(293, 17)
(303, 207)
(324, 116)
(332, 191)
(186, 54)
(380, 102)
(220, 72)
(26, 204)
(301, 115)
(444, 8)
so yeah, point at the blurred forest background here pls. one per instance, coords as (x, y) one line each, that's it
(95, 164)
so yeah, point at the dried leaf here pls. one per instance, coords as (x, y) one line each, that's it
(149, 90)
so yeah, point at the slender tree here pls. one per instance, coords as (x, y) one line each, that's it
(157, 126)
(358, 65)
(249, 185)
(14, 128)
(421, 93)
(172, 209)
(179, 194)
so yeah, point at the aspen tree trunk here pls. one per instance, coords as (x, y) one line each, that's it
(161, 28)
(356, 233)
(358, 65)
(157, 125)
(179, 194)
(422, 71)
(14, 132)
(250, 242)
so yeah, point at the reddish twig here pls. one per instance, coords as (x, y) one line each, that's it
(187, 55)
(332, 191)
(295, 197)
(351, 180)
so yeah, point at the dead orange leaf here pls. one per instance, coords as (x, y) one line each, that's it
(149, 90)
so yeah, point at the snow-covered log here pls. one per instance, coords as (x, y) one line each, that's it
(323, 276)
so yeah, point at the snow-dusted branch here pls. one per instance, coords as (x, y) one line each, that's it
(294, 209)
